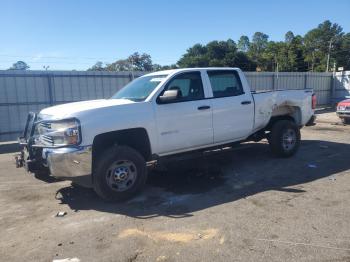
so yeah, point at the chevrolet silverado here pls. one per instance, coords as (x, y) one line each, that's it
(161, 114)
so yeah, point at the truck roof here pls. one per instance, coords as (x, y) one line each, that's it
(172, 71)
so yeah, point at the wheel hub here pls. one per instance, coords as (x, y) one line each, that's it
(289, 139)
(121, 173)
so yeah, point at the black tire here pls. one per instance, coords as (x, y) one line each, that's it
(311, 122)
(284, 138)
(345, 121)
(105, 182)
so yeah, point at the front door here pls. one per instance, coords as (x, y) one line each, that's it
(186, 122)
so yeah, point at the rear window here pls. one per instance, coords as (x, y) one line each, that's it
(225, 83)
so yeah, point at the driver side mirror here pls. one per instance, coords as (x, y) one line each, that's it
(168, 96)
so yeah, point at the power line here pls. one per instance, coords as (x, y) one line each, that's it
(73, 58)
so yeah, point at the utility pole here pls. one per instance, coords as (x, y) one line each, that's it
(132, 68)
(329, 54)
(275, 82)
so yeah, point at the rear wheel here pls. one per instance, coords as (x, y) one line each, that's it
(284, 138)
(120, 173)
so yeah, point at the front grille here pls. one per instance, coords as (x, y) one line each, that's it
(47, 140)
(43, 128)
(45, 125)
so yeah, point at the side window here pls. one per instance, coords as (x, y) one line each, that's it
(225, 83)
(190, 86)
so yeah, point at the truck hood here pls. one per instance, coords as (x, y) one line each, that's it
(71, 109)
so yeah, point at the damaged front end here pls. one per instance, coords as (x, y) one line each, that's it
(53, 147)
(30, 156)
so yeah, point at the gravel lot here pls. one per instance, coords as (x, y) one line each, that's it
(239, 206)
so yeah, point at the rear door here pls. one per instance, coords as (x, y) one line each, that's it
(186, 122)
(233, 107)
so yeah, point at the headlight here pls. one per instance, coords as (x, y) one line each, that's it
(58, 133)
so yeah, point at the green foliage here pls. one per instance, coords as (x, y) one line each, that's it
(324, 44)
(119, 65)
(97, 67)
(295, 53)
(343, 53)
(216, 54)
(319, 41)
(140, 62)
(19, 65)
(135, 62)
(289, 36)
(243, 43)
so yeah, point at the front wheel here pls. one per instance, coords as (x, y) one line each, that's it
(120, 173)
(284, 138)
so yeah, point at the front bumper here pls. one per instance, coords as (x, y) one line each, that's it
(69, 162)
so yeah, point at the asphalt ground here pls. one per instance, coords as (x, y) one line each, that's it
(243, 205)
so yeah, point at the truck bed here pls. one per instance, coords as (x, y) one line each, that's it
(273, 103)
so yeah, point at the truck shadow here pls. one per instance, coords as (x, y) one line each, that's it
(193, 185)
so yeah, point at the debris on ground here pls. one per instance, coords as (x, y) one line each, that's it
(74, 259)
(324, 146)
(61, 214)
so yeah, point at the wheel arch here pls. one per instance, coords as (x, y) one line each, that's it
(136, 138)
(285, 112)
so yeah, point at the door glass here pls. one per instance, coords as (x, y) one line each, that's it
(225, 83)
(190, 86)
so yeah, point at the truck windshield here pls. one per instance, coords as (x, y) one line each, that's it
(139, 89)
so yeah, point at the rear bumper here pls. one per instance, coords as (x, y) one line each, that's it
(343, 114)
(69, 162)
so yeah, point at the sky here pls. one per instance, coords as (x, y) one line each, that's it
(66, 35)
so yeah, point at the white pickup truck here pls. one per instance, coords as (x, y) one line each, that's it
(162, 114)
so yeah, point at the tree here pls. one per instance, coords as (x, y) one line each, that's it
(136, 62)
(296, 54)
(243, 43)
(140, 62)
(119, 65)
(19, 65)
(257, 47)
(168, 67)
(97, 67)
(320, 42)
(156, 67)
(343, 53)
(325, 44)
(216, 53)
(195, 56)
(288, 37)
